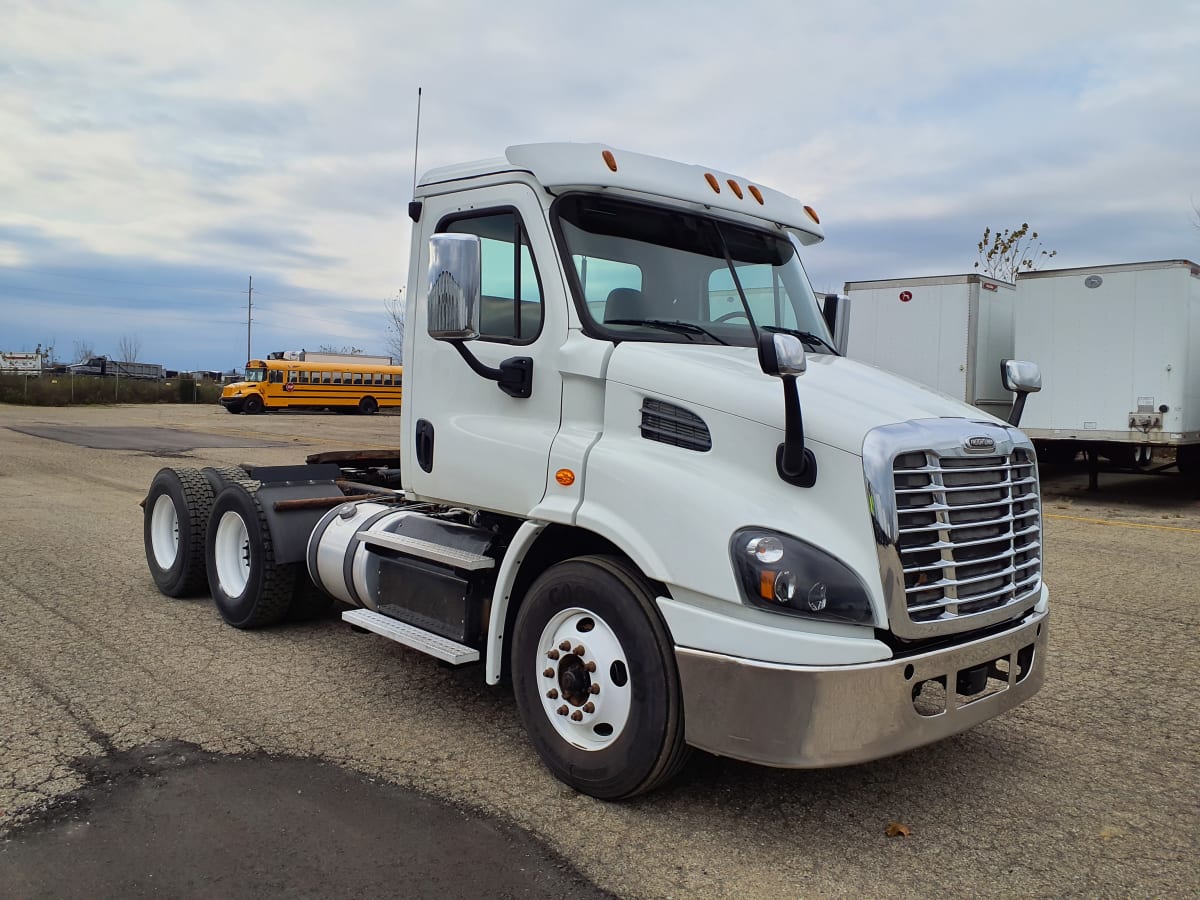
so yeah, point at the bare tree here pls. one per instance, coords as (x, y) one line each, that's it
(344, 350)
(84, 350)
(129, 348)
(1005, 254)
(394, 307)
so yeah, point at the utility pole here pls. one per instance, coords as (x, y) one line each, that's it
(249, 311)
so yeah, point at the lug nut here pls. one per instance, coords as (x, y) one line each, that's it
(553, 654)
(577, 716)
(549, 673)
(562, 710)
(589, 707)
(595, 688)
(579, 651)
(590, 666)
(565, 645)
(552, 693)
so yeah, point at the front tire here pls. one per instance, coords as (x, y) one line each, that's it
(174, 524)
(253, 405)
(248, 586)
(594, 674)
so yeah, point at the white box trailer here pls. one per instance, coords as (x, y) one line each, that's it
(949, 332)
(1119, 349)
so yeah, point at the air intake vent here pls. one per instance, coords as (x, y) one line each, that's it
(674, 425)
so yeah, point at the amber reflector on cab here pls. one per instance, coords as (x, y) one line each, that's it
(565, 477)
(610, 160)
(812, 214)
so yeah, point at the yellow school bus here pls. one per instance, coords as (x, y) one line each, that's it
(272, 384)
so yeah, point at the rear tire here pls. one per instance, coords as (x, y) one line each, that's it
(219, 476)
(368, 406)
(1187, 460)
(608, 720)
(174, 525)
(249, 588)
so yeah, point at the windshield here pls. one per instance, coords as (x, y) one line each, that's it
(648, 273)
(256, 374)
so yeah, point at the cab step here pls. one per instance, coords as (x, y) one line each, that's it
(449, 556)
(402, 633)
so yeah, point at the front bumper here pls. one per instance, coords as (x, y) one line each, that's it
(815, 716)
(233, 404)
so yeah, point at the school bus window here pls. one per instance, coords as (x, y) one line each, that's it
(358, 377)
(276, 377)
(293, 376)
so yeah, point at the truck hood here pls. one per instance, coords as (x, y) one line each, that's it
(841, 399)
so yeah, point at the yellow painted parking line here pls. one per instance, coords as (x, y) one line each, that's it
(1122, 524)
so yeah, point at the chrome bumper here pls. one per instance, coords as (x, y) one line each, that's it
(814, 716)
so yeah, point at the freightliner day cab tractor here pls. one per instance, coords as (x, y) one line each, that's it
(635, 480)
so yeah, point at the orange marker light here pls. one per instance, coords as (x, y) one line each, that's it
(756, 194)
(735, 187)
(766, 585)
(812, 214)
(565, 477)
(610, 160)
(712, 182)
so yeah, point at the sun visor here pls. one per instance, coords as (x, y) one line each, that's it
(567, 165)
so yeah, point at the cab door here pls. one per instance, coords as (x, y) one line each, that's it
(470, 442)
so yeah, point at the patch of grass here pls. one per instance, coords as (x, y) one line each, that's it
(88, 390)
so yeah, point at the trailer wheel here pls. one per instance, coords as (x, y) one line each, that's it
(249, 588)
(1187, 460)
(368, 406)
(173, 530)
(594, 674)
(253, 405)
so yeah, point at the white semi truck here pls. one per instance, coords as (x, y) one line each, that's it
(635, 479)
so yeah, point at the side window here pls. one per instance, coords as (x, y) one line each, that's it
(326, 378)
(276, 377)
(600, 277)
(768, 298)
(511, 304)
(358, 379)
(293, 375)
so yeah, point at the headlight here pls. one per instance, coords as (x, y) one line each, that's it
(787, 575)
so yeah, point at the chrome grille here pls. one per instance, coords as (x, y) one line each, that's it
(969, 531)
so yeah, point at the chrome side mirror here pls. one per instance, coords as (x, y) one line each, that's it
(781, 354)
(1021, 376)
(454, 287)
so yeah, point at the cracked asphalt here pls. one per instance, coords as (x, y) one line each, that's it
(1090, 789)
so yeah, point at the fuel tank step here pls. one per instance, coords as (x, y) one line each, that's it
(449, 556)
(427, 642)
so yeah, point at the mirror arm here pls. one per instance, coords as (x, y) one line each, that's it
(514, 376)
(794, 462)
(1014, 417)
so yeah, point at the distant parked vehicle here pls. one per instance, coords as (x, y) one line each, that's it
(292, 384)
(102, 365)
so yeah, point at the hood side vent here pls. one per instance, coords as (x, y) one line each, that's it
(674, 425)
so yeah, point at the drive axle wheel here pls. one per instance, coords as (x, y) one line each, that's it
(594, 674)
(173, 528)
(249, 588)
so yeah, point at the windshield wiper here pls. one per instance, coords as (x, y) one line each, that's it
(806, 336)
(676, 326)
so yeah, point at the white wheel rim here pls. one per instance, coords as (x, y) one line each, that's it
(585, 695)
(231, 553)
(164, 532)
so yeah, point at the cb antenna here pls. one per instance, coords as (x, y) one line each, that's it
(414, 205)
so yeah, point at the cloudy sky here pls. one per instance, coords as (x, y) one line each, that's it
(154, 155)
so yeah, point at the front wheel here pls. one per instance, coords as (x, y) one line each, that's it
(253, 405)
(249, 587)
(595, 680)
